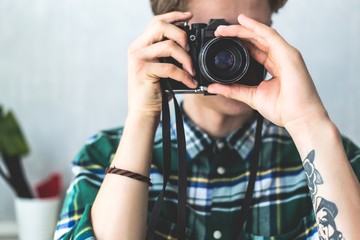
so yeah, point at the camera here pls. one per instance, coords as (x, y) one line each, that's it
(223, 60)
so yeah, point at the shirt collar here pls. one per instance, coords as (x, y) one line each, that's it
(241, 140)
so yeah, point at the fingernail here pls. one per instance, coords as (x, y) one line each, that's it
(193, 73)
(222, 26)
(187, 13)
(187, 47)
(195, 82)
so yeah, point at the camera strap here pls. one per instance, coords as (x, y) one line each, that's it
(167, 158)
(254, 167)
(182, 165)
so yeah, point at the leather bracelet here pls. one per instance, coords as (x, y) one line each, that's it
(129, 174)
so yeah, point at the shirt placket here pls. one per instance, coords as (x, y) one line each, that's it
(225, 164)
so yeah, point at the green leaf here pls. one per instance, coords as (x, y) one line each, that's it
(12, 140)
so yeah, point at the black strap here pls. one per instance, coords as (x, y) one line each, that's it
(166, 165)
(254, 166)
(181, 212)
(182, 196)
(182, 173)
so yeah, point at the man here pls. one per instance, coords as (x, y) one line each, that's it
(219, 131)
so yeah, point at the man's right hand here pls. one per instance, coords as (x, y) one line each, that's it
(160, 39)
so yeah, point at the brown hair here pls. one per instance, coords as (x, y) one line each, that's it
(164, 6)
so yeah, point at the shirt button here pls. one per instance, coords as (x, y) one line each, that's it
(220, 145)
(217, 234)
(221, 170)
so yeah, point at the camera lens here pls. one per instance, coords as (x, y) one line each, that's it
(224, 60)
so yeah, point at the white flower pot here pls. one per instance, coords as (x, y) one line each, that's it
(36, 218)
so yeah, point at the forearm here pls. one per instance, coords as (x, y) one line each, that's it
(120, 208)
(334, 188)
(289, 98)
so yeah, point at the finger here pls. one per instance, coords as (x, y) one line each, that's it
(235, 91)
(179, 24)
(257, 46)
(168, 48)
(240, 32)
(168, 70)
(160, 31)
(261, 57)
(267, 33)
(161, 27)
(243, 33)
(175, 16)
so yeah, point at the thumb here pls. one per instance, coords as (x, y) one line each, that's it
(235, 91)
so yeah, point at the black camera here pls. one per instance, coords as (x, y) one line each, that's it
(222, 60)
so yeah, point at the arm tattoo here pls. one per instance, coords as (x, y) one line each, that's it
(312, 174)
(325, 210)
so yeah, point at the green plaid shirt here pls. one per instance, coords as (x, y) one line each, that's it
(218, 172)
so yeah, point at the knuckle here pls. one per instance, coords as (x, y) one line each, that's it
(134, 46)
(139, 66)
(159, 24)
(257, 28)
(295, 52)
(273, 31)
(156, 18)
(156, 24)
(170, 68)
(133, 53)
(170, 44)
(230, 93)
(183, 38)
(189, 59)
(138, 55)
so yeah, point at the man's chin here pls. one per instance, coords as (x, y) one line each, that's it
(224, 105)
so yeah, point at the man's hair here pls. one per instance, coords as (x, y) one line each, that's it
(165, 6)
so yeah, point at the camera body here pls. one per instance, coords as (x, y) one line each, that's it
(221, 60)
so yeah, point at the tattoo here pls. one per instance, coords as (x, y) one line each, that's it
(325, 214)
(312, 174)
(325, 210)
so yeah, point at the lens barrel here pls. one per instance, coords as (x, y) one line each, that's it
(224, 60)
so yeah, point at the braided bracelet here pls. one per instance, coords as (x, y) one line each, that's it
(129, 174)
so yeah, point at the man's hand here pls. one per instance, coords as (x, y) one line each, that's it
(161, 39)
(289, 97)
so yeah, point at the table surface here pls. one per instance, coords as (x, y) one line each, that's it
(8, 231)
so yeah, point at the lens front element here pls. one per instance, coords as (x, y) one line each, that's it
(224, 60)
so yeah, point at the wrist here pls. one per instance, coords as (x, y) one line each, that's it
(308, 121)
(309, 134)
(134, 152)
(145, 104)
(144, 119)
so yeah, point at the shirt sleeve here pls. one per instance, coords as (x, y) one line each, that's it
(88, 168)
(353, 153)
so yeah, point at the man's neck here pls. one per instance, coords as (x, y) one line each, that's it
(215, 123)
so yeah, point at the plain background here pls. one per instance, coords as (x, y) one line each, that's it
(63, 70)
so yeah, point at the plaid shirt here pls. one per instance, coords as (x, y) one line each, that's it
(218, 172)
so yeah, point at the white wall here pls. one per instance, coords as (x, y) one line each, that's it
(63, 69)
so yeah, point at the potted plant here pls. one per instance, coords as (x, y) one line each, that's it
(13, 147)
(36, 211)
